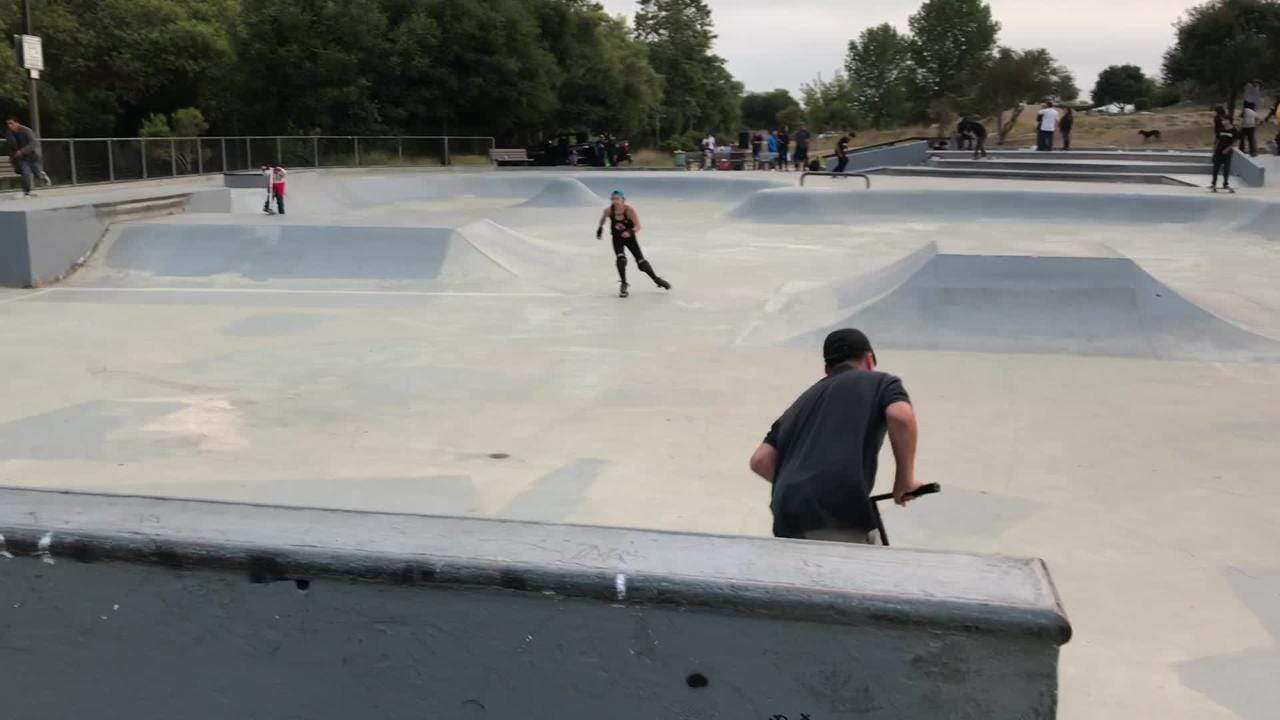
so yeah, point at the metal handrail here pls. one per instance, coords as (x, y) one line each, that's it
(864, 176)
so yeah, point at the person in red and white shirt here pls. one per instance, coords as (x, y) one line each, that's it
(275, 175)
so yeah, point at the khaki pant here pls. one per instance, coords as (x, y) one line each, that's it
(856, 537)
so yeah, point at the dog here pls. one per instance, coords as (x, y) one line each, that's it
(1149, 135)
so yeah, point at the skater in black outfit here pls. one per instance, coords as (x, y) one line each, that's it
(1224, 133)
(624, 223)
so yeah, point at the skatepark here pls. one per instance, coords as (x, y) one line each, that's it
(1096, 366)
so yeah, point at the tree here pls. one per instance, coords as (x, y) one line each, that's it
(760, 110)
(700, 94)
(832, 105)
(792, 117)
(952, 45)
(879, 66)
(606, 82)
(1125, 84)
(1016, 78)
(1223, 44)
(114, 62)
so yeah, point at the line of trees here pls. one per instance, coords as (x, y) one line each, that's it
(511, 68)
(949, 63)
(521, 69)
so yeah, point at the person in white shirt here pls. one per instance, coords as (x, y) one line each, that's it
(1249, 129)
(1047, 125)
(709, 152)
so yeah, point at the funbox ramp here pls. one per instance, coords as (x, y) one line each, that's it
(1018, 304)
(850, 207)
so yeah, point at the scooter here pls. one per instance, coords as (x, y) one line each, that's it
(923, 490)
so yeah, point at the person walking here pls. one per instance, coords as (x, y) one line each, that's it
(1065, 125)
(842, 153)
(976, 132)
(624, 224)
(784, 147)
(757, 145)
(25, 152)
(822, 454)
(1224, 133)
(800, 157)
(1249, 129)
(772, 144)
(1047, 125)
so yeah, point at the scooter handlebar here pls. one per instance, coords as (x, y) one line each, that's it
(921, 491)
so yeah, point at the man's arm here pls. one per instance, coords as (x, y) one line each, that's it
(764, 461)
(903, 434)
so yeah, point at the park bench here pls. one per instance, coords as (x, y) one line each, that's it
(509, 156)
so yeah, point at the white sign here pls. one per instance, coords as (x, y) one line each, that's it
(32, 53)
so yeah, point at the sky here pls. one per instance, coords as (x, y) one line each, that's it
(785, 43)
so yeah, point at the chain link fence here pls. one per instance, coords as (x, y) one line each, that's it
(81, 161)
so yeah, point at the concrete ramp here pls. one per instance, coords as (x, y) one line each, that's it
(799, 304)
(522, 255)
(845, 207)
(713, 187)
(128, 607)
(565, 193)
(161, 254)
(1074, 306)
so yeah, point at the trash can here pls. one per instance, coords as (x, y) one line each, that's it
(680, 159)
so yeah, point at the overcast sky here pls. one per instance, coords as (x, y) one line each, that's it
(785, 43)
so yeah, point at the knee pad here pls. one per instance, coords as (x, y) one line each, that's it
(644, 265)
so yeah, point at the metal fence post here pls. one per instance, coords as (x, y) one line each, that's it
(111, 162)
(400, 149)
(173, 156)
(315, 149)
(279, 150)
(73, 162)
(199, 156)
(142, 143)
(355, 141)
(444, 159)
(248, 154)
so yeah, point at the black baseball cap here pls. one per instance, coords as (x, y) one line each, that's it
(844, 345)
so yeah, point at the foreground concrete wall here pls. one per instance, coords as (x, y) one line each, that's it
(893, 156)
(145, 608)
(43, 243)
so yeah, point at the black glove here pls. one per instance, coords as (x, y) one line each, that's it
(600, 232)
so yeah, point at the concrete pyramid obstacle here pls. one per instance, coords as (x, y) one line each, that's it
(1058, 305)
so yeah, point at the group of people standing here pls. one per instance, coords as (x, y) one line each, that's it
(1051, 120)
(779, 144)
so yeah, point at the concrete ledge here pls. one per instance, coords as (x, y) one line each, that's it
(340, 614)
(43, 240)
(1072, 166)
(1008, 173)
(1248, 170)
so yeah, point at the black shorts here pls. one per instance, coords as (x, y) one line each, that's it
(801, 154)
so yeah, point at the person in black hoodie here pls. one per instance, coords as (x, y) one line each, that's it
(1224, 134)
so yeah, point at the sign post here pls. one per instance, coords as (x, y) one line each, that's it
(33, 60)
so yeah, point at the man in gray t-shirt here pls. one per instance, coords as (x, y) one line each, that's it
(24, 149)
(822, 454)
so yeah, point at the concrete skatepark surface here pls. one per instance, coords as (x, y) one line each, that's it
(381, 344)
